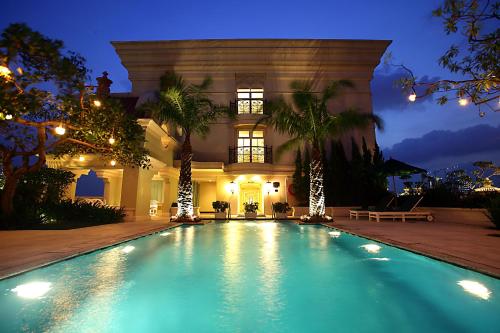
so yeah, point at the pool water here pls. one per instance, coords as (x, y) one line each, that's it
(250, 277)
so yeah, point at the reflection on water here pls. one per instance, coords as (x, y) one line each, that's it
(102, 291)
(270, 266)
(189, 242)
(232, 267)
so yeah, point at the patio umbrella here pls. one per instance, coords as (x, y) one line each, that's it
(395, 168)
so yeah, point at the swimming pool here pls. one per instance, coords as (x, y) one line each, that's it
(250, 277)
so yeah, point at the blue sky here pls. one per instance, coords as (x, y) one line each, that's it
(418, 41)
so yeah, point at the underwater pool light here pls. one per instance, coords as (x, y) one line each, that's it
(32, 290)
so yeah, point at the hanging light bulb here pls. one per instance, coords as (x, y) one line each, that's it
(60, 130)
(412, 97)
(5, 72)
(111, 141)
(81, 158)
(97, 103)
(113, 162)
(463, 101)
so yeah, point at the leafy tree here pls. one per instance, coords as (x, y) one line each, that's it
(188, 107)
(485, 170)
(46, 107)
(475, 60)
(42, 187)
(309, 120)
(357, 175)
(340, 175)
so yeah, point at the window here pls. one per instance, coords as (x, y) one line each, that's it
(250, 101)
(251, 146)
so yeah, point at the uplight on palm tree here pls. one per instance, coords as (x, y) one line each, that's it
(186, 106)
(309, 121)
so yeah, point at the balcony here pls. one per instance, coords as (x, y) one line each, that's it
(250, 154)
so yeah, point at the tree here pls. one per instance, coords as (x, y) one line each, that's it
(339, 181)
(306, 179)
(476, 63)
(188, 107)
(298, 178)
(46, 107)
(308, 120)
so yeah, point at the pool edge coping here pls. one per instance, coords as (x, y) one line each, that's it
(432, 256)
(151, 232)
(94, 249)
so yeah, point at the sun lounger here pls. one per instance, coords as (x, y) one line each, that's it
(381, 206)
(405, 212)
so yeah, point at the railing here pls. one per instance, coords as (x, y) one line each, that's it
(250, 154)
(233, 108)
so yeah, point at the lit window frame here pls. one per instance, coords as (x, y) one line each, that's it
(252, 153)
(250, 99)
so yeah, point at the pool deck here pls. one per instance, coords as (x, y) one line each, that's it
(22, 250)
(471, 245)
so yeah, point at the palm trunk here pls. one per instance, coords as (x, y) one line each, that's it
(185, 190)
(316, 191)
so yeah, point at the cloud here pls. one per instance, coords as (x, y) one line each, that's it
(449, 146)
(388, 94)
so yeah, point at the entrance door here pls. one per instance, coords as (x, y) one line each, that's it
(250, 192)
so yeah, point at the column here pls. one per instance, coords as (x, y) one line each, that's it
(112, 185)
(136, 193)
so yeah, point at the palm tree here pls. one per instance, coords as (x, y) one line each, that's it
(186, 106)
(308, 121)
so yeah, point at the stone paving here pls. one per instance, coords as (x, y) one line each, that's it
(474, 245)
(22, 250)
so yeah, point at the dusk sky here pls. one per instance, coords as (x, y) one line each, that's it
(423, 133)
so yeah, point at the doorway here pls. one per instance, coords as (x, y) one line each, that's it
(250, 192)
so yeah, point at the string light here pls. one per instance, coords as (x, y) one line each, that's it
(113, 162)
(463, 101)
(412, 97)
(8, 116)
(60, 130)
(97, 103)
(111, 141)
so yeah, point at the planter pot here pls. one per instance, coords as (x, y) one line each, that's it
(251, 215)
(281, 215)
(220, 215)
(173, 211)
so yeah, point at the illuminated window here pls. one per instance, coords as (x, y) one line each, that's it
(251, 146)
(250, 101)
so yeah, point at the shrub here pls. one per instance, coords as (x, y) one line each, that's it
(45, 186)
(281, 207)
(82, 212)
(494, 211)
(251, 207)
(220, 206)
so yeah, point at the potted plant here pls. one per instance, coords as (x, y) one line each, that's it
(173, 209)
(281, 209)
(251, 209)
(220, 209)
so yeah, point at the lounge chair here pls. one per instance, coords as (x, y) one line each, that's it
(382, 205)
(406, 211)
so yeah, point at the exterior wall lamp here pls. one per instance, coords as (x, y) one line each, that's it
(231, 187)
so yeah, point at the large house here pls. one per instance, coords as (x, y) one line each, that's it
(235, 161)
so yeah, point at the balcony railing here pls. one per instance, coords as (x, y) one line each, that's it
(250, 154)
